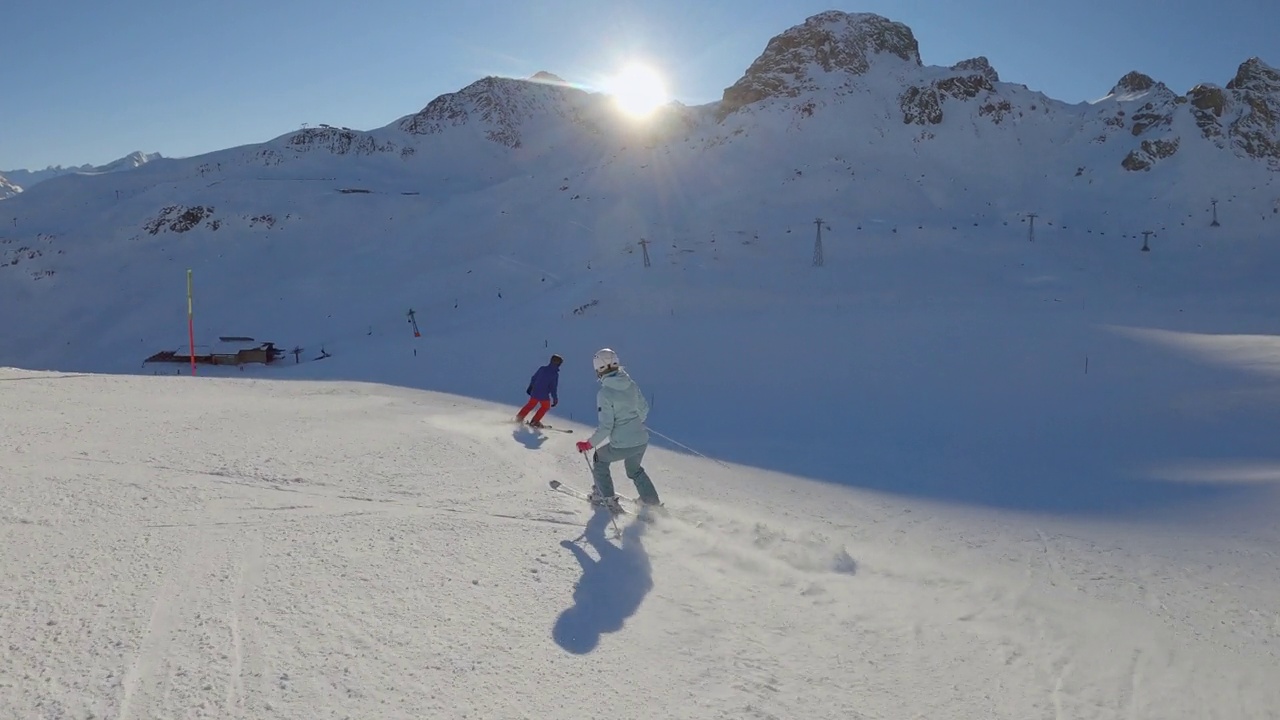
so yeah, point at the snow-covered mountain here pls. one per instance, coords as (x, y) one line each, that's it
(22, 179)
(8, 189)
(836, 118)
(838, 91)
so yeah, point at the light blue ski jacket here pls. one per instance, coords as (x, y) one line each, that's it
(622, 411)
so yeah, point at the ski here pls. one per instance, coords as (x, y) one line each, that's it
(645, 510)
(544, 427)
(557, 485)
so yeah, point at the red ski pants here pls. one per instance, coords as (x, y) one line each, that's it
(543, 406)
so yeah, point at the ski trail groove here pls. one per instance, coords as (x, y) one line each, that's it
(1048, 558)
(235, 698)
(157, 633)
(1135, 683)
(1057, 690)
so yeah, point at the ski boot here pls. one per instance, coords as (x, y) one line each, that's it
(611, 503)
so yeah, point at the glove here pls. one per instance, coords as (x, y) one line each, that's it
(529, 390)
(584, 445)
(555, 403)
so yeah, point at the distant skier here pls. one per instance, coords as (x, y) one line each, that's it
(622, 412)
(542, 391)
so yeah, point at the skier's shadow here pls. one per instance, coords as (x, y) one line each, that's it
(611, 588)
(529, 438)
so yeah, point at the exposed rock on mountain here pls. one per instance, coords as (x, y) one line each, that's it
(500, 105)
(832, 42)
(979, 65)
(8, 189)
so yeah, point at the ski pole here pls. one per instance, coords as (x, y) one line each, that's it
(686, 447)
(612, 518)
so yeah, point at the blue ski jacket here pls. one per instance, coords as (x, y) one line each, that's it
(544, 383)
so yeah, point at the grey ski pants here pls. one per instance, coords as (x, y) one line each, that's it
(630, 458)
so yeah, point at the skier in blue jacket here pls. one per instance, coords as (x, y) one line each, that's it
(542, 391)
(622, 411)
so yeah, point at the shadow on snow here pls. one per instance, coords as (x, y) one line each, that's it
(611, 588)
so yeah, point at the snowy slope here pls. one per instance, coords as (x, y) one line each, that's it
(229, 548)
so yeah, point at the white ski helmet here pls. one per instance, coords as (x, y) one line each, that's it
(604, 361)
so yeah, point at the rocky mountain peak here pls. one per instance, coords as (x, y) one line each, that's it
(829, 42)
(1255, 95)
(1133, 83)
(134, 159)
(979, 65)
(546, 77)
(501, 105)
(1256, 76)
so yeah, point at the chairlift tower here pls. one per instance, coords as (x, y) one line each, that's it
(413, 322)
(818, 259)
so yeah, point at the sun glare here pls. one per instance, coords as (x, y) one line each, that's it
(638, 90)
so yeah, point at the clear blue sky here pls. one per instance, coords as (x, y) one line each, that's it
(92, 80)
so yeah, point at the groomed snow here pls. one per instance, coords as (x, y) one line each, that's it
(178, 547)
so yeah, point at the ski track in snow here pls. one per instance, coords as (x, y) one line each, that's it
(403, 557)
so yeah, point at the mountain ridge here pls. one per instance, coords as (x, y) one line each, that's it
(22, 179)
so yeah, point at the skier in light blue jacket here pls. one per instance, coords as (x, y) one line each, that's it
(622, 411)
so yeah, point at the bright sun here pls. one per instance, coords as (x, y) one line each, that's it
(638, 90)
